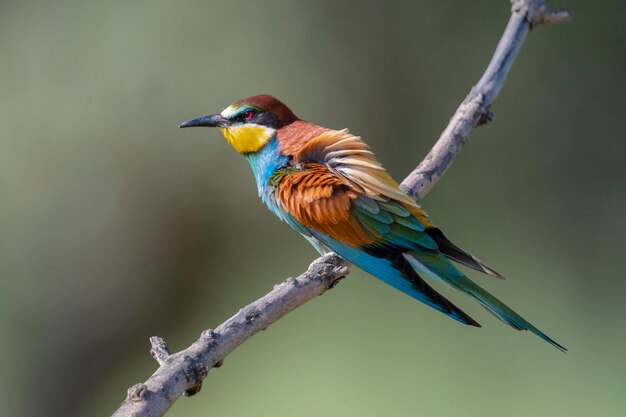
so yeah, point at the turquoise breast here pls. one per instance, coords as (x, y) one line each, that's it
(264, 163)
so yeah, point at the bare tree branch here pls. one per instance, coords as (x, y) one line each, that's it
(474, 110)
(183, 372)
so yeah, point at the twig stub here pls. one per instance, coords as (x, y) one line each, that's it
(136, 392)
(159, 350)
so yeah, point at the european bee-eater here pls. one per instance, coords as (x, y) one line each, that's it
(328, 185)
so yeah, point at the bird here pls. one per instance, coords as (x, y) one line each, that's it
(329, 186)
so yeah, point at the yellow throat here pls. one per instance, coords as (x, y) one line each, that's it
(248, 137)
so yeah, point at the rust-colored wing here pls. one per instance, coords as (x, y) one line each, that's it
(378, 207)
(320, 200)
(337, 187)
(348, 203)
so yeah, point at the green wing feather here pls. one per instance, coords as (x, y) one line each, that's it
(435, 265)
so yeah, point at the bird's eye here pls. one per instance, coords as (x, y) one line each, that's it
(248, 114)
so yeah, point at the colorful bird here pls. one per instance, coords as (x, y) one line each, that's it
(328, 185)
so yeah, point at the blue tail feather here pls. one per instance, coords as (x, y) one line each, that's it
(441, 269)
(399, 274)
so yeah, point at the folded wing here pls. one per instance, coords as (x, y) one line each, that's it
(359, 216)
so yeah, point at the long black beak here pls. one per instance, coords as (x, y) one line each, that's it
(212, 120)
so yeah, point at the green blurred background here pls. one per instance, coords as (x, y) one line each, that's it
(115, 226)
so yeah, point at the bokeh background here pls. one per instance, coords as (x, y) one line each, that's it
(115, 226)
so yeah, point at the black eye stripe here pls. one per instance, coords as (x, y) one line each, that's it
(264, 118)
(268, 119)
(247, 115)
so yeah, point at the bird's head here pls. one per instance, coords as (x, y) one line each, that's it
(250, 123)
